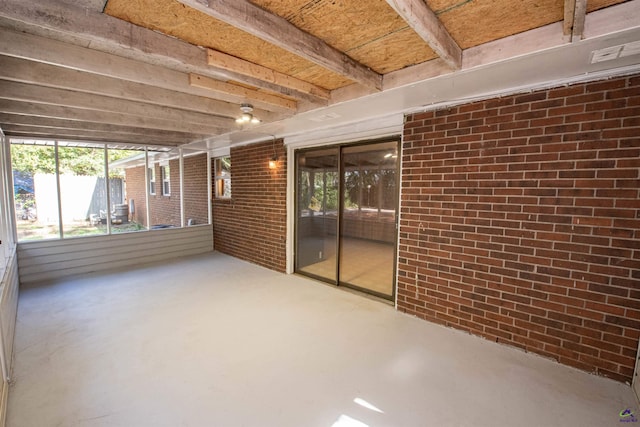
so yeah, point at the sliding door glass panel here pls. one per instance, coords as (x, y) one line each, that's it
(317, 213)
(368, 217)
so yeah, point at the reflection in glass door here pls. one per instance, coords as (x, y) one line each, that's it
(317, 213)
(368, 217)
(346, 215)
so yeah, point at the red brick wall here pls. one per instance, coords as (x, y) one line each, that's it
(135, 189)
(166, 209)
(252, 224)
(196, 189)
(520, 222)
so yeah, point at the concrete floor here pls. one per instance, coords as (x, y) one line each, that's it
(214, 341)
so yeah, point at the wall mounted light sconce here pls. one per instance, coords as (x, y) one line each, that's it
(273, 161)
(247, 115)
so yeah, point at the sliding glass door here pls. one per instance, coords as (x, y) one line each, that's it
(368, 217)
(317, 216)
(346, 215)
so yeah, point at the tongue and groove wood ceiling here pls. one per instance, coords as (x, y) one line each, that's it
(281, 56)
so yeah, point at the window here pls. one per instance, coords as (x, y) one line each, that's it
(36, 190)
(126, 188)
(166, 180)
(83, 190)
(223, 177)
(7, 246)
(70, 189)
(66, 189)
(152, 180)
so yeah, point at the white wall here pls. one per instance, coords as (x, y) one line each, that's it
(46, 260)
(8, 311)
(8, 274)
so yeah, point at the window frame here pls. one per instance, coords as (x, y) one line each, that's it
(220, 178)
(152, 180)
(165, 177)
(9, 234)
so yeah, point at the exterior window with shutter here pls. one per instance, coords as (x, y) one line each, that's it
(152, 180)
(166, 180)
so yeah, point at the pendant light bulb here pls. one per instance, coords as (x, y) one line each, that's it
(273, 162)
(247, 115)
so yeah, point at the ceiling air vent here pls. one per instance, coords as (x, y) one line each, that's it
(615, 52)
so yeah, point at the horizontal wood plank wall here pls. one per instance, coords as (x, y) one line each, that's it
(8, 310)
(54, 259)
(520, 222)
(3, 408)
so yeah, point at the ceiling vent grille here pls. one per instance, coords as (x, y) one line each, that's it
(615, 52)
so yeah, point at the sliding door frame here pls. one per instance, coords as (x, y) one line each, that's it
(296, 208)
(339, 220)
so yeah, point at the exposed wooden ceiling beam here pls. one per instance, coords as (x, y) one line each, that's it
(16, 133)
(423, 71)
(20, 70)
(246, 94)
(62, 54)
(280, 32)
(96, 116)
(27, 71)
(427, 25)
(53, 124)
(579, 20)
(231, 63)
(88, 135)
(86, 27)
(66, 98)
(569, 12)
(575, 12)
(92, 5)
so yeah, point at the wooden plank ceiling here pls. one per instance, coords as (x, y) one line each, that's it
(169, 72)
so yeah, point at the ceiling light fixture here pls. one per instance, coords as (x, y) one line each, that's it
(247, 115)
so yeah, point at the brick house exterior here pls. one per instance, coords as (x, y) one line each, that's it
(519, 219)
(252, 224)
(165, 209)
(520, 222)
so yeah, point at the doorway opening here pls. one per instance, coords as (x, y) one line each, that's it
(346, 215)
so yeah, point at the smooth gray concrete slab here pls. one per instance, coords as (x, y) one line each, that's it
(215, 341)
